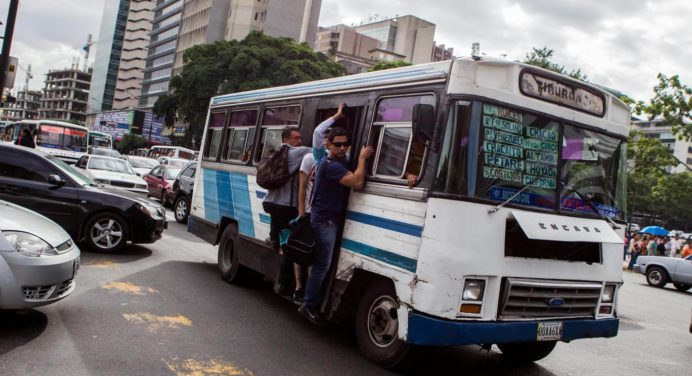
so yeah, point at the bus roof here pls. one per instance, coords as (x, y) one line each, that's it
(406, 76)
(53, 122)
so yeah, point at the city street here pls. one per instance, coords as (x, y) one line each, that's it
(161, 309)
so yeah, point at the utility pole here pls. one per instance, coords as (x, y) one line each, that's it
(7, 41)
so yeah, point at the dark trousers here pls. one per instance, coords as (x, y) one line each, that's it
(280, 216)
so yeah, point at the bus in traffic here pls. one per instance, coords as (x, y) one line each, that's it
(100, 139)
(511, 235)
(158, 151)
(65, 141)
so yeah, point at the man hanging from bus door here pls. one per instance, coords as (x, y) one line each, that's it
(306, 176)
(332, 181)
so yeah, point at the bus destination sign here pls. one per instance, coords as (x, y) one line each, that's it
(564, 93)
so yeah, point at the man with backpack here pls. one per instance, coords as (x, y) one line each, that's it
(278, 174)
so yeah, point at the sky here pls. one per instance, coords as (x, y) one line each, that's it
(621, 44)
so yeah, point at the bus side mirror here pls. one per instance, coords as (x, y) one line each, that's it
(423, 122)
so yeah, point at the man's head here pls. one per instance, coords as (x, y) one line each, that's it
(291, 135)
(338, 142)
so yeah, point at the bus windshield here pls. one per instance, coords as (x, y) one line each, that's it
(59, 137)
(100, 140)
(557, 165)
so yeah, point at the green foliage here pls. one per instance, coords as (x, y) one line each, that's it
(382, 65)
(542, 58)
(224, 67)
(673, 101)
(674, 196)
(130, 142)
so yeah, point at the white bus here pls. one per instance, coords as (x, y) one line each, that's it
(100, 139)
(64, 140)
(511, 236)
(158, 151)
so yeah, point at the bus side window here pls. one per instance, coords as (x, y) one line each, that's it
(240, 136)
(273, 122)
(397, 154)
(214, 133)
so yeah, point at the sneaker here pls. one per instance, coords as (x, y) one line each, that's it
(311, 315)
(283, 291)
(299, 296)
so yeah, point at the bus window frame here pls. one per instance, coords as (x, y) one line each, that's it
(208, 139)
(228, 137)
(369, 133)
(259, 134)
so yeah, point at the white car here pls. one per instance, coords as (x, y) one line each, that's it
(659, 270)
(142, 165)
(114, 172)
(38, 259)
(173, 162)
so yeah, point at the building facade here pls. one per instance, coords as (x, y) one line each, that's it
(65, 94)
(409, 36)
(25, 107)
(682, 149)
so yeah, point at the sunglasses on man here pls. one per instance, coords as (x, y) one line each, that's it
(341, 144)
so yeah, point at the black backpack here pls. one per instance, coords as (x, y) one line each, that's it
(272, 171)
(300, 245)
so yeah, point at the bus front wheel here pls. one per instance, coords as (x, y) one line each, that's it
(377, 326)
(228, 264)
(526, 352)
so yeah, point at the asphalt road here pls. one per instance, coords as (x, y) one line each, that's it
(161, 309)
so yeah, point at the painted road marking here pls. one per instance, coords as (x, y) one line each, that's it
(192, 367)
(128, 287)
(154, 322)
(101, 264)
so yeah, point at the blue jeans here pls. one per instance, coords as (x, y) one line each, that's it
(325, 238)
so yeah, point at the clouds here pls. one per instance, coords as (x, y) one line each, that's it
(621, 44)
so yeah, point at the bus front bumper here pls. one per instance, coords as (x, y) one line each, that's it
(426, 330)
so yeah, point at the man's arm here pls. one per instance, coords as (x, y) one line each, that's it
(302, 190)
(356, 179)
(321, 130)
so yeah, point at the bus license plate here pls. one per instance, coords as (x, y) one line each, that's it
(549, 331)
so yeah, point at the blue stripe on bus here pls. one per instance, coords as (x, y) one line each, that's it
(265, 218)
(241, 204)
(261, 195)
(211, 205)
(388, 224)
(400, 261)
(226, 194)
(420, 73)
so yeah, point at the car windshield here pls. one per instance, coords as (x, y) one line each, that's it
(143, 163)
(177, 162)
(110, 164)
(106, 152)
(72, 172)
(172, 173)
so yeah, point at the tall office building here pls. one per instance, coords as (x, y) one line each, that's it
(406, 35)
(120, 54)
(682, 149)
(26, 106)
(181, 24)
(65, 94)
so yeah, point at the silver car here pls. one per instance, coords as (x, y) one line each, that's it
(659, 270)
(38, 259)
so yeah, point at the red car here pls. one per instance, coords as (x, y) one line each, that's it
(160, 182)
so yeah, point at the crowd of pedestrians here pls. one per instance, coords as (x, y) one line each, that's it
(650, 245)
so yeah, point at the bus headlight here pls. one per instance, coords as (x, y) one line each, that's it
(473, 290)
(608, 295)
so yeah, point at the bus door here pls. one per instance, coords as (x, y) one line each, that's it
(356, 112)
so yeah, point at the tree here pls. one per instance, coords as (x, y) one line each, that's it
(674, 197)
(224, 67)
(130, 142)
(382, 65)
(673, 101)
(542, 58)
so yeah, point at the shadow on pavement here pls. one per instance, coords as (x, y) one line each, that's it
(20, 327)
(131, 253)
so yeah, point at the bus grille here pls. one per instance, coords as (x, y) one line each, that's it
(534, 299)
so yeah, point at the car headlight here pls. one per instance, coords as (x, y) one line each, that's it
(608, 294)
(102, 181)
(473, 290)
(28, 244)
(152, 211)
(140, 186)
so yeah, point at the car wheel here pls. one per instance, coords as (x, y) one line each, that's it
(181, 209)
(656, 276)
(377, 326)
(106, 232)
(526, 352)
(682, 286)
(229, 265)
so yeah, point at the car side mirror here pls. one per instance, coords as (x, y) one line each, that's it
(423, 122)
(55, 180)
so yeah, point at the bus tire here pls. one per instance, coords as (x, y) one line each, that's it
(526, 352)
(228, 262)
(377, 326)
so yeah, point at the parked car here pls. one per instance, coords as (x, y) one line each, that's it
(173, 162)
(105, 218)
(106, 152)
(141, 165)
(160, 182)
(659, 270)
(633, 227)
(182, 192)
(110, 171)
(38, 259)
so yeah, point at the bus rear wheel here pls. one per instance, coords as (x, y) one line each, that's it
(377, 327)
(526, 352)
(228, 261)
